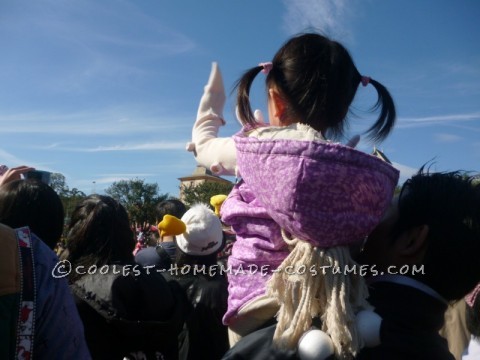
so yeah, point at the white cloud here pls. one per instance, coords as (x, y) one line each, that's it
(11, 160)
(85, 25)
(466, 69)
(148, 146)
(139, 147)
(109, 122)
(436, 120)
(325, 16)
(108, 179)
(406, 171)
(447, 138)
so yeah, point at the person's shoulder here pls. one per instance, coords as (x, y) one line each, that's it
(149, 257)
(127, 291)
(44, 255)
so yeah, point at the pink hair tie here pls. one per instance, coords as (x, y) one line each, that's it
(365, 80)
(267, 66)
(472, 296)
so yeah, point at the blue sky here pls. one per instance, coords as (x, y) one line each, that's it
(105, 90)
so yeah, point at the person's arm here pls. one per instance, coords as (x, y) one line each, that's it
(217, 154)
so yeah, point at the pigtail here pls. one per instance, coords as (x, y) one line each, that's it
(243, 86)
(386, 120)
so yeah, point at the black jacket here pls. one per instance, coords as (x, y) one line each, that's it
(409, 331)
(411, 324)
(123, 315)
(205, 337)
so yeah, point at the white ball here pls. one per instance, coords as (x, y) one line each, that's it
(368, 325)
(315, 345)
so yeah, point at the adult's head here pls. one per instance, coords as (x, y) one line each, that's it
(35, 204)
(172, 207)
(99, 233)
(434, 222)
(313, 80)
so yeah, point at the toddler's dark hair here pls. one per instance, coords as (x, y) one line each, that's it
(319, 80)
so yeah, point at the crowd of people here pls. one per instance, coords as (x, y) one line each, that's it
(312, 255)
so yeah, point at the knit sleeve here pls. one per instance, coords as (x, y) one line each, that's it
(215, 153)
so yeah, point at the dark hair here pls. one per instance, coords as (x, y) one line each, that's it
(172, 207)
(34, 204)
(449, 203)
(319, 80)
(99, 234)
(182, 259)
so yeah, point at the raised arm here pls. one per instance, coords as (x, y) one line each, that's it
(8, 175)
(216, 154)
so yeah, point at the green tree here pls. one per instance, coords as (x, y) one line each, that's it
(69, 197)
(138, 198)
(203, 192)
(72, 199)
(58, 183)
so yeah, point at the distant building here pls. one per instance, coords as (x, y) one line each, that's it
(200, 175)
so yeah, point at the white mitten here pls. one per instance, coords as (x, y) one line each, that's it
(212, 152)
(257, 114)
(213, 99)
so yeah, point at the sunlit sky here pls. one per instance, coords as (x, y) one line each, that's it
(107, 90)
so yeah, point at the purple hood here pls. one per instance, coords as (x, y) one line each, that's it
(324, 193)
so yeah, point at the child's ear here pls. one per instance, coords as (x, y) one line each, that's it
(279, 104)
(413, 242)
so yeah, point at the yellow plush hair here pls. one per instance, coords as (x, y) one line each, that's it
(171, 226)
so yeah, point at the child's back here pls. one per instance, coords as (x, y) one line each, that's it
(297, 188)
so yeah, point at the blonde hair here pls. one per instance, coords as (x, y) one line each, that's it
(304, 294)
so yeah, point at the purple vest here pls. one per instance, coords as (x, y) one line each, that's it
(324, 193)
